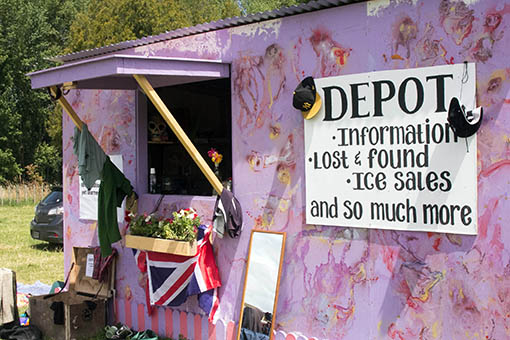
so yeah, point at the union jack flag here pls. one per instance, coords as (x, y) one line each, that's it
(172, 278)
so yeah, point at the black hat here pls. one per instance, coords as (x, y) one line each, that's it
(464, 124)
(306, 98)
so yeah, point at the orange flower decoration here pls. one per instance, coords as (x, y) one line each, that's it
(216, 157)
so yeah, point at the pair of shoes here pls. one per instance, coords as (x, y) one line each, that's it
(124, 332)
(110, 332)
(118, 331)
(148, 334)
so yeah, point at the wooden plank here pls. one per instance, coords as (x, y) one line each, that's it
(68, 108)
(161, 246)
(179, 132)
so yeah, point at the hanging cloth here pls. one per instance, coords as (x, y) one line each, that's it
(114, 187)
(102, 264)
(94, 164)
(91, 157)
(228, 215)
(8, 308)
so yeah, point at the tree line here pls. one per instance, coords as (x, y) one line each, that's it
(33, 31)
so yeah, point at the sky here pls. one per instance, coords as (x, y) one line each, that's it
(263, 270)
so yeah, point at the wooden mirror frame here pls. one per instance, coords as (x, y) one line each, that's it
(275, 303)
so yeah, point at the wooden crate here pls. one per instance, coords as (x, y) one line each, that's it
(85, 303)
(161, 246)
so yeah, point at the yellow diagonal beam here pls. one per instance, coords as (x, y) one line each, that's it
(68, 108)
(179, 132)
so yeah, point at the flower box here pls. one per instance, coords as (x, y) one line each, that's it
(160, 245)
(177, 235)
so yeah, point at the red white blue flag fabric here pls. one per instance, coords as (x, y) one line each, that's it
(172, 278)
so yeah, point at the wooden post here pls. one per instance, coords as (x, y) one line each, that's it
(68, 108)
(179, 132)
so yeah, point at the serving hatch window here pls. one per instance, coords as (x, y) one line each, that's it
(203, 109)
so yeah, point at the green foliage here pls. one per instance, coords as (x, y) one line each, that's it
(32, 174)
(255, 6)
(30, 32)
(27, 42)
(202, 11)
(9, 169)
(182, 227)
(62, 14)
(48, 163)
(108, 22)
(53, 127)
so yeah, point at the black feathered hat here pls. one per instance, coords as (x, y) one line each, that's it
(464, 124)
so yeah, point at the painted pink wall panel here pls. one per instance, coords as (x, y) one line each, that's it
(211, 334)
(193, 326)
(168, 323)
(155, 321)
(129, 316)
(337, 283)
(231, 331)
(140, 317)
(183, 324)
(197, 329)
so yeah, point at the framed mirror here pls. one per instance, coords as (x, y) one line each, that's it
(261, 285)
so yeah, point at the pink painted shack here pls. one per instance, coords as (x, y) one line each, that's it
(230, 84)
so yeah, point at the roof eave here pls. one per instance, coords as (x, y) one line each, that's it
(207, 27)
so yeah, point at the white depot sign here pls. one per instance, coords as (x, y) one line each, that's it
(380, 153)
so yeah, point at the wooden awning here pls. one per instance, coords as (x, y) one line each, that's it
(115, 72)
(134, 72)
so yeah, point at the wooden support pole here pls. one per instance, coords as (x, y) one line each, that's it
(68, 108)
(179, 132)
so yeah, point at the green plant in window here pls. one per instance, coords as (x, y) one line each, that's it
(182, 227)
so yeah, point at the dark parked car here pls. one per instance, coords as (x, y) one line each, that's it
(47, 224)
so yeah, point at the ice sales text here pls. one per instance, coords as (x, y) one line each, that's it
(405, 161)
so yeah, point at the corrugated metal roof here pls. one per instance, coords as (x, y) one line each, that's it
(207, 27)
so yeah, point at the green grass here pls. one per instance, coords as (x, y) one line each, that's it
(32, 260)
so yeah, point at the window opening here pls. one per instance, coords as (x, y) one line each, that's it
(203, 109)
